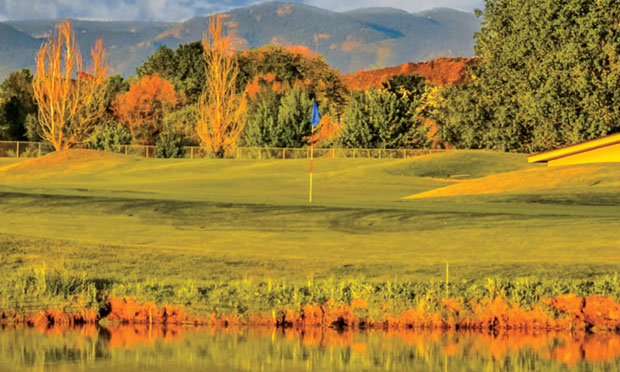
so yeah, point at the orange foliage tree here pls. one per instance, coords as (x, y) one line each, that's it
(327, 131)
(144, 106)
(222, 112)
(70, 100)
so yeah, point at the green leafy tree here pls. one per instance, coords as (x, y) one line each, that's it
(262, 121)
(183, 67)
(190, 74)
(462, 121)
(114, 86)
(293, 69)
(381, 119)
(386, 118)
(293, 128)
(548, 76)
(163, 63)
(16, 103)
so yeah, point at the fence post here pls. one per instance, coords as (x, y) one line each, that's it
(125, 149)
(147, 152)
(17, 152)
(259, 153)
(39, 149)
(191, 152)
(237, 152)
(404, 154)
(333, 153)
(354, 150)
(283, 153)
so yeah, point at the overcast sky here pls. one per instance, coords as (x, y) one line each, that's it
(177, 10)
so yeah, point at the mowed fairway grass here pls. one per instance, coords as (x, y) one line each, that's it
(114, 217)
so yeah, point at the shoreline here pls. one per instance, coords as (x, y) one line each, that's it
(567, 313)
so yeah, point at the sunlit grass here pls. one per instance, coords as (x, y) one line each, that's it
(119, 218)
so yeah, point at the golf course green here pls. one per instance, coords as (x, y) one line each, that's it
(126, 221)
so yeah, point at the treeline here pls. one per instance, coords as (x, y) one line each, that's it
(161, 105)
(547, 75)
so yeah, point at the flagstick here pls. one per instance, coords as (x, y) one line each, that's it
(316, 119)
(311, 162)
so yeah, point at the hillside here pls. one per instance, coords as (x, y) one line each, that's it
(128, 44)
(17, 49)
(350, 41)
(442, 71)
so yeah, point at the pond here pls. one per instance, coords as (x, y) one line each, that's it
(155, 348)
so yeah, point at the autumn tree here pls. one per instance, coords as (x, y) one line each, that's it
(327, 132)
(144, 106)
(70, 100)
(222, 112)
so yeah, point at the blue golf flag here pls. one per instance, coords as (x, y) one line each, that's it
(316, 115)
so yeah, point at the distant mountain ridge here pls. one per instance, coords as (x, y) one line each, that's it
(361, 39)
(16, 49)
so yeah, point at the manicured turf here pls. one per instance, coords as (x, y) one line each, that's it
(113, 217)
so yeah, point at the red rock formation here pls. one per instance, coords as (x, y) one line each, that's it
(442, 71)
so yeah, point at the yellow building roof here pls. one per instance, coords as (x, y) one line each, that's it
(575, 149)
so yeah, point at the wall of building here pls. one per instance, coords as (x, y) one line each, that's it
(607, 154)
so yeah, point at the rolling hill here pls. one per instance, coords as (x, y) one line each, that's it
(350, 41)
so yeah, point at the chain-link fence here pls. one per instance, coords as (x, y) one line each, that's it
(19, 149)
(34, 149)
(259, 153)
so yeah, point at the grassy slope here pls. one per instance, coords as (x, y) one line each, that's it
(121, 217)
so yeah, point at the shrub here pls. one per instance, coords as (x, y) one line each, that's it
(109, 137)
(182, 123)
(169, 145)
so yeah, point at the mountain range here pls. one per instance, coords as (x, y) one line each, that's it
(362, 39)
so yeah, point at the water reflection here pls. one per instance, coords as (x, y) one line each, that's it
(144, 348)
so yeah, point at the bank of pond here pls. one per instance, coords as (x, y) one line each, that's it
(44, 298)
(58, 321)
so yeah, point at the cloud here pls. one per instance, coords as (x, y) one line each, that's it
(98, 9)
(176, 10)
